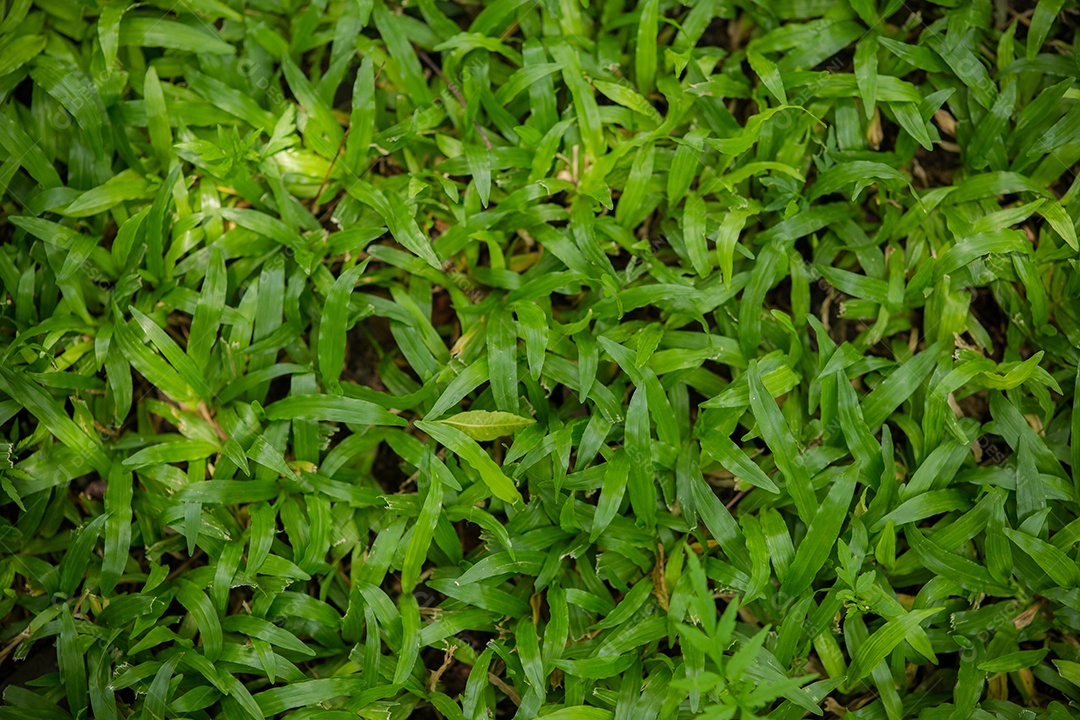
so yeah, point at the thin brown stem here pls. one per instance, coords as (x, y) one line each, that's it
(453, 88)
(333, 161)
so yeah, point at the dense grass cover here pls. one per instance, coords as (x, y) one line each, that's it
(579, 360)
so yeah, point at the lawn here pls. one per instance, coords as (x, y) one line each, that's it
(571, 359)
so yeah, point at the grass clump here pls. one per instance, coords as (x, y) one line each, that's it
(586, 361)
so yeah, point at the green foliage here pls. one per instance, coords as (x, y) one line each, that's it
(574, 360)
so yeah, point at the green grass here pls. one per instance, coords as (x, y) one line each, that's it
(577, 360)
